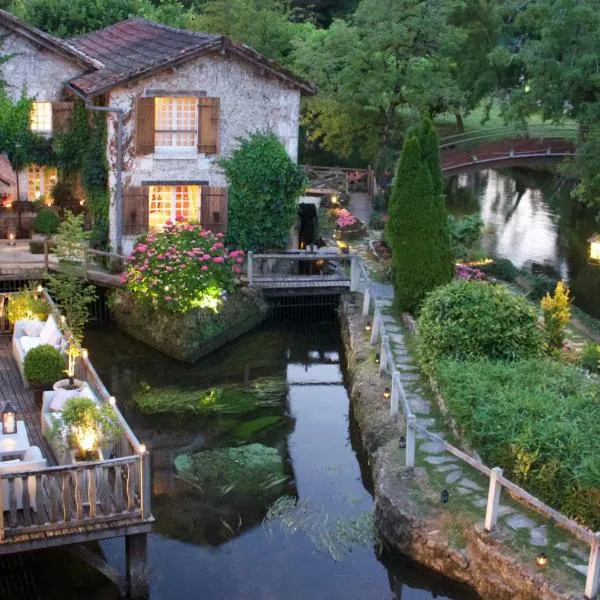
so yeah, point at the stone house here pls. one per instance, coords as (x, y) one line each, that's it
(176, 101)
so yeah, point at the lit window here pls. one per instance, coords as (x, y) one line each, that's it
(175, 122)
(41, 117)
(40, 181)
(167, 202)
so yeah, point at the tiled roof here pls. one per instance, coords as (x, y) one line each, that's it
(137, 47)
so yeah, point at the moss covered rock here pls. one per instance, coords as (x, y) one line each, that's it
(196, 333)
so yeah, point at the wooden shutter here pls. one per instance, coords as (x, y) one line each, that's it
(62, 113)
(136, 201)
(213, 208)
(144, 126)
(209, 110)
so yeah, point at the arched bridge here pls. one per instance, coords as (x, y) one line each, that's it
(506, 146)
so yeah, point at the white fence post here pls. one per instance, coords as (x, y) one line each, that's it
(366, 302)
(383, 355)
(375, 328)
(250, 268)
(593, 575)
(354, 273)
(395, 397)
(411, 441)
(491, 513)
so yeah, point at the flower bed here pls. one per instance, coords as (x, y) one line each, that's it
(468, 273)
(348, 226)
(181, 268)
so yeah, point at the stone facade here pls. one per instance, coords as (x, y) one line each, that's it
(249, 102)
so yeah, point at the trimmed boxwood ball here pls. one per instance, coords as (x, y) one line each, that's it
(46, 222)
(44, 365)
(467, 320)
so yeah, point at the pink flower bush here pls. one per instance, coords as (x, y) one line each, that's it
(469, 273)
(181, 268)
(346, 219)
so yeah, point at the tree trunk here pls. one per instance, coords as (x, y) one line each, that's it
(459, 122)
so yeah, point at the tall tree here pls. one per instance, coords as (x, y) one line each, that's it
(417, 230)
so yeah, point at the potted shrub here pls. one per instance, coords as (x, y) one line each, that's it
(45, 223)
(83, 427)
(43, 366)
(70, 383)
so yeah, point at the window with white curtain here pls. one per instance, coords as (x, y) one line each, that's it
(175, 122)
(41, 117)
(167, 202)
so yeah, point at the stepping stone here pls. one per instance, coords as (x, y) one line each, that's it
(410, 376)
(444, 468)
(454, 476)
(479, 501)
(470, 484)
(562, 546)
(583, 569)
(426, 421)
(464, 491)
(420, 406)
(422, 436)
(519, 521)
(439, 460)
(504, 510)
(397, 338)
(539, 536)
(431, 448)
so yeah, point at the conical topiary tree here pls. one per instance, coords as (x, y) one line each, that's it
(417, 231)
(430, 153)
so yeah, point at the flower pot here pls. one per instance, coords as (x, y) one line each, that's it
(66, 385)
(38, 390)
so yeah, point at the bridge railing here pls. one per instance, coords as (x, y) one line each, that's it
(566, 132)
(303, 270)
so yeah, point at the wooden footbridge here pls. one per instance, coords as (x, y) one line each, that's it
(79, 502)
(303, 273)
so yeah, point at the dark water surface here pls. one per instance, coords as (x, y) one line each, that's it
(221, 544)
(532, 220)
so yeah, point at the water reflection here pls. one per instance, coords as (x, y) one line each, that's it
(531, 219)
(219, 546)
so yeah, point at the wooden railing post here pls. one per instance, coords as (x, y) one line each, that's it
(592, 583)
(250, 268)
(411, 441)
(375, 328)
(354, 273)
(383, 355)
(46, 255)
(145, 488)
(395, 396)
(491, 513)
(366, 302)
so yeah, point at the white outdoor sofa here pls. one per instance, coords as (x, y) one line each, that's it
(32, 461)
(30, 334)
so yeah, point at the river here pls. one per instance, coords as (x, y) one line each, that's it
(318, 542)
(532, 220)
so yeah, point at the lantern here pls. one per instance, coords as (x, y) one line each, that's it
(368, 326)
(9, 419)
(377, 359)
(594, 242)
(387, 393)
(445, 496)
(12, 241)
(402, 442)
(335, 199)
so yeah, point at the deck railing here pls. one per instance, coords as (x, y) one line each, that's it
(83, 493)
(497, 481)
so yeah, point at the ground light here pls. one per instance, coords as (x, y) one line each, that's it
(11, 238)
(9, 419)
(594, 243)
(445, 496)
(402, 442)
(377, 359)
(542, 559)
(387, 393)
(368, 326)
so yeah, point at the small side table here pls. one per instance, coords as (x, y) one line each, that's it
(14, 443)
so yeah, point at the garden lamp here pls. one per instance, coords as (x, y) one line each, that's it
(9, 419)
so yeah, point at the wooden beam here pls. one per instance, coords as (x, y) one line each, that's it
(97, 562)
(136, 547)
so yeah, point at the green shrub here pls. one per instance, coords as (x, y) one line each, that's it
(62, 192)
(379, 202)
(464, 233)
(25, 305)
(264, 185)
(467, 320)
(536, 419)
(46, 222)
(417, 230)
(44, 365)
(590, 357)
(540, 286)
(501, 268)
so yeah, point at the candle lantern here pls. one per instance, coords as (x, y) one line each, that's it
(9, 419)
(387, 393)
(445, 496)
(542, 559)
(12, 237)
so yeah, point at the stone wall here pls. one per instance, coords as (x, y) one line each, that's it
(406, 519)
(249, 102)
(190, 336)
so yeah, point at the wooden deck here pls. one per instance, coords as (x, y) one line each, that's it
(75, 503)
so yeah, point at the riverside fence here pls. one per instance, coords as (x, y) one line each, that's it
(497, 481)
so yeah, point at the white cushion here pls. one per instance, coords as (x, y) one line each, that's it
(27, 343)
(9, 462)
(54, 339)
(33, 328)
(47, 331)
(32, 454)
(60, 397)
